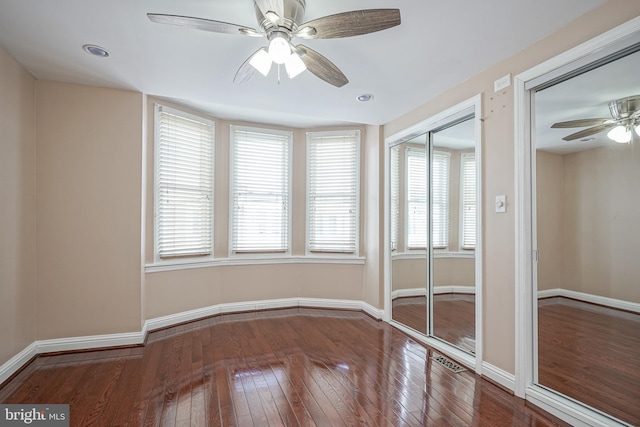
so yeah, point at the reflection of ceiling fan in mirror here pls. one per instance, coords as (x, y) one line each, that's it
(280, 22)
(625, 113)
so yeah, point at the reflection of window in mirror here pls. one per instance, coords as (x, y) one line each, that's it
(468, 201)
(440, 198)
(416, 198)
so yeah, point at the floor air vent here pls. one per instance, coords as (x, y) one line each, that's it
(448, 363)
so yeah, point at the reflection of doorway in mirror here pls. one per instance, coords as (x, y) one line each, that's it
(587, 207)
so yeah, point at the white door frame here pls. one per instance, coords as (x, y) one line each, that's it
(525, 293)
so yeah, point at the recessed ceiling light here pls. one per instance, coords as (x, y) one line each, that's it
(96, 50)
(587, 139)
(365, 97)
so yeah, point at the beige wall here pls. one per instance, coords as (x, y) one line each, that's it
(601, 222)
(373, 213)
(588, 228)
(89, 157)
(498, 166)
(17, 208)
(411, 273)
(550, 206)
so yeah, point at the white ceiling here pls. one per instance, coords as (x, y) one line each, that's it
(437, 46)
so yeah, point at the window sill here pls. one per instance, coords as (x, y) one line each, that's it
(436, 254)
(239, 261)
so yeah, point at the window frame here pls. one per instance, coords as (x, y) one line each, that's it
(179, 259)
(357, 134)
(260, 254)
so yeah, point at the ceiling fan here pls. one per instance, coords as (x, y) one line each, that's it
(625, 113)
(280, 21)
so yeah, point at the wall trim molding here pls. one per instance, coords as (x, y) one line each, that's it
(499, 376)
(16, 363)
(420, 292)
(590, 298)
(91, 342)
(251, 260)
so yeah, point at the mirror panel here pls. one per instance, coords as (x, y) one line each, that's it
(453, 217)
(587, 206)
(432, 230)
(408, 229)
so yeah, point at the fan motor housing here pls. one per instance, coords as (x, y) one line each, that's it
(625, 107)
(293, 10)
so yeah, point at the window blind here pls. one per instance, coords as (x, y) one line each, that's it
(440, 198)
(468, 167)
(333, 188)
(416, 198)
(260, 189)
(394, 195)
(184, 184)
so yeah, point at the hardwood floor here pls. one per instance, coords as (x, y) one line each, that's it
(587, 352)
(453, 317)
(288, 367)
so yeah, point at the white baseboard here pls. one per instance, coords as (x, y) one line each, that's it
(498, 376)
(594, 299)
(437, 290)
(18, 361)
(569, 411)
(135, 338)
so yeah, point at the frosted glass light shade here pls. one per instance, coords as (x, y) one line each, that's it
(279, 50)
(294, 65)
(620, 134)
(261, 61)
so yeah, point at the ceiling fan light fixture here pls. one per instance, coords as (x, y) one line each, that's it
(261, 61)
(620, 134)
(294, 65)
(638, 130)
(279, 49)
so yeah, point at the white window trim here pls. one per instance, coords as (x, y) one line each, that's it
(318, 254)
(258, 255)
(156, 177)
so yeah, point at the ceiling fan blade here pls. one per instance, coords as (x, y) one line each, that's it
(203, 24)
(590, 131)
(581, 123)
(349, 24)
(247, 71)
(321, 66)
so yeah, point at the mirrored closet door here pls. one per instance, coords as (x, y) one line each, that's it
(433, 181)
(586, 169)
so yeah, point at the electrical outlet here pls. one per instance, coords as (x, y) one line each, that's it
(502, 82)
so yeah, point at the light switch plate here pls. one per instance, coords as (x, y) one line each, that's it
(501, 203)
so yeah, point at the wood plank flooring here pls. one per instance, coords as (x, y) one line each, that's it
(289, 367)
(587, 352)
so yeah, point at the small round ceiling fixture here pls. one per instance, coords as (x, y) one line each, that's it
(96, 50)
(364, 97)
